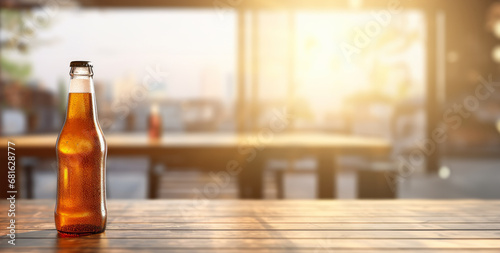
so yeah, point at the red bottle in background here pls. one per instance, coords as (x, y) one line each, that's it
(154, 123)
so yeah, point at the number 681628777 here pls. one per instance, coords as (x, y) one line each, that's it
(11, 164)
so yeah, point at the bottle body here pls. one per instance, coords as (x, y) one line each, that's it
(81, 155)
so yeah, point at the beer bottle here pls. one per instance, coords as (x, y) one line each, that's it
(81, 155)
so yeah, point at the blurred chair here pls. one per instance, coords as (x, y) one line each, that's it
(278, 166)
(375, 176)
(378, 177)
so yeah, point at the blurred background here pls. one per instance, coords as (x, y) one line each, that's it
(392, 70)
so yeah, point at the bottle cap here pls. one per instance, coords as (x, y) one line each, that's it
(81, 64)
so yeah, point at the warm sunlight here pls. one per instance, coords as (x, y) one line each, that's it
(250, 125)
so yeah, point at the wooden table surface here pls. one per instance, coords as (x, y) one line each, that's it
(140, 143)
(266, 225)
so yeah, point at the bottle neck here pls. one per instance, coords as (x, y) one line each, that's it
(81, 84)
(81, 80)
(81, 101)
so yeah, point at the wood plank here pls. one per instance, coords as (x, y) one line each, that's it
(313, 244)
(237, 234)
(302, 205)
(284, 226)
(290, 210)
(402, 203)
(207, 214)
(206, 250)
(187, 209)
(278, 219)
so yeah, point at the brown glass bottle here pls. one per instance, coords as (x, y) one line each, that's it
(81, 156)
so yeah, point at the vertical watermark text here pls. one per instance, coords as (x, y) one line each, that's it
(11, 192)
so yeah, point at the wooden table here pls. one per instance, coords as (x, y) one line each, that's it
(262, 226)
(248, 151)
